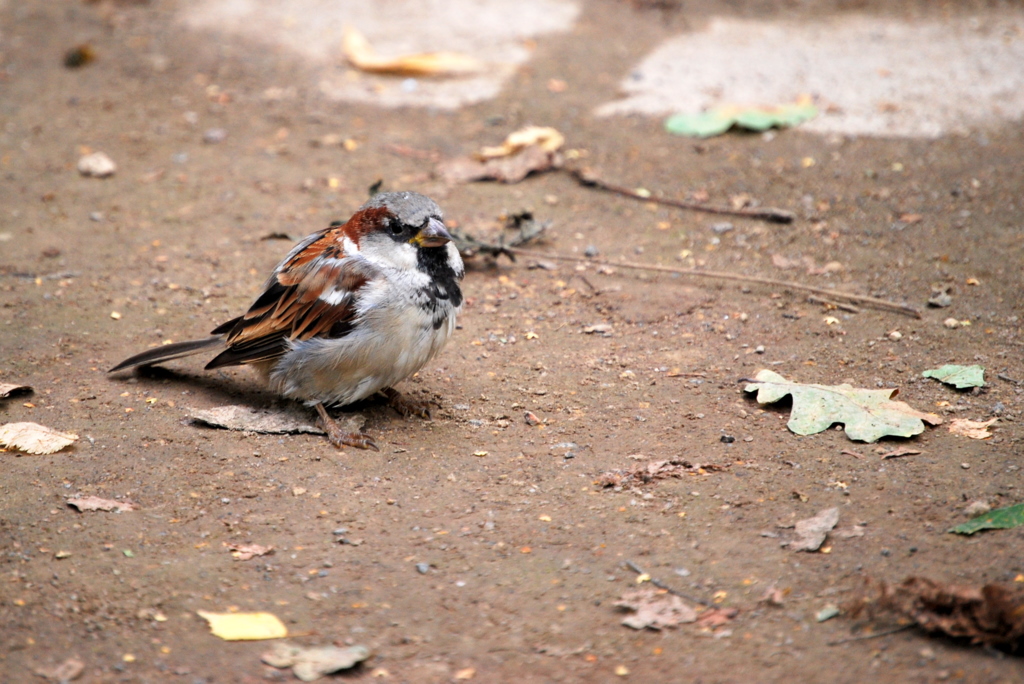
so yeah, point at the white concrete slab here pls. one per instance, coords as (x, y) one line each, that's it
(881, 76)
(491, 30)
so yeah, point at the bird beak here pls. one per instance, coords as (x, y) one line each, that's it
(432, 235)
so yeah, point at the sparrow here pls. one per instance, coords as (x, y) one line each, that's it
(352, 310)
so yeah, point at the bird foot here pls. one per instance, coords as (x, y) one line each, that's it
(342, 438)
(407, 407)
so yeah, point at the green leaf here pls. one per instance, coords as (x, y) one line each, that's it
(702, 125)
(720, 119)
(868, 415)
(959, 376)
(999, 519)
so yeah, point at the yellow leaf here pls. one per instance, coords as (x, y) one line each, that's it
(361, 54)
(244, 626)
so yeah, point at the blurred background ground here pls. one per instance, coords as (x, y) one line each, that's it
(232, 121)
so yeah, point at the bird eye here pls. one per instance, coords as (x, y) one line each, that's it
(395, 227)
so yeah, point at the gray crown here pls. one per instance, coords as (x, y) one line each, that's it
(411, 208)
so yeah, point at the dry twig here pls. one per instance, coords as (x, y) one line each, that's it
(863, 300)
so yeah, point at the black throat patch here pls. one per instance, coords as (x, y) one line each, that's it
(443, 292)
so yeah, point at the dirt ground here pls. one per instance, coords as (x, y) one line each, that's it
(524, 552)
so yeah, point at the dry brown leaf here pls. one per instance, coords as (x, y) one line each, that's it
(67, 671)
(991, 615)
(812, 531)
(33, 438)
(264, 421)
(244, 552)
(897, 453)
(360, 54)
(655, 608)
(513, 169)
(95, 503)
(654, 470)
(975, 429)
(7, 389)
(544, 137)
(774, 596)
(716, 617)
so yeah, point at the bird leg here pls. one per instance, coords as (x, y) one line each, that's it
(341, 439)
(406, 407)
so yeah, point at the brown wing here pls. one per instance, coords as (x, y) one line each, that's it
(311, 294)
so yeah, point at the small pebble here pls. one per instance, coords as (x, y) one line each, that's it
(759, 349)
(422, 568)
(340, 531)
(727, 439)
(721, 228)
(96, 216)
(965, 466)
(951, 323)
(96, 165)
(886, 552)
(212, 136)
(895, 335)
(591, 251)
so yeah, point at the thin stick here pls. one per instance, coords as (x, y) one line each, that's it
(864, 300)
(661, 585)
(771, 214)
(864, 637)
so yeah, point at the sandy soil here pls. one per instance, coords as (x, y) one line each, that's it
(525, 552)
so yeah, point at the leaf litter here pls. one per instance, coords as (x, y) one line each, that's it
(33, 438)
(309, 664)
(992, 615)
(720, 119)
(95, 503)
(867, 415)
(996, 519)
(961, 377)
(66, 671)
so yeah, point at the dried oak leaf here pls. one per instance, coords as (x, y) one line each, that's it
(993, 614)
(33, 438)
(95, 503)
(655, 609)
(361, 55)
(867, 415)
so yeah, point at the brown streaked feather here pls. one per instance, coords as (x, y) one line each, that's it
(290, 307)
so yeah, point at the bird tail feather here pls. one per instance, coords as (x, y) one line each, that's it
(168, 352)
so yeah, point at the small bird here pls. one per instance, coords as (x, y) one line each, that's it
(352, 310)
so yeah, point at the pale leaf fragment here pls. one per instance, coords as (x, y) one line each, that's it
(812, 531)
(309, 664)
(244, 552)
(264, 421)
(95, 503)
(655, 609)
(33, 438)
(975, 429)
(67, 671)
(361, 55)
(244, 626)
(7, 389)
